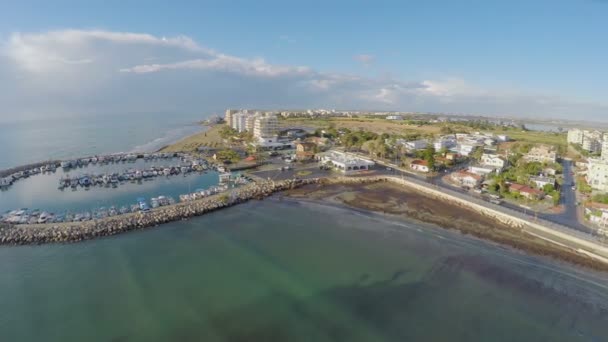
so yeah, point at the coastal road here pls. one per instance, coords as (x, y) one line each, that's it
(568, 218)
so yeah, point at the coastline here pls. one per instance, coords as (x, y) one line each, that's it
(377, 194)
(402, 203)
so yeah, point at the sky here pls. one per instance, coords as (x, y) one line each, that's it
(534, 58)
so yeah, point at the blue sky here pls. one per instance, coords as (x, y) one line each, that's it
(517, 58)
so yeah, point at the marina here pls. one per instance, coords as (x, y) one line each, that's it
(107, 185)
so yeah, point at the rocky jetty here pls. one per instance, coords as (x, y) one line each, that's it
(78, 231)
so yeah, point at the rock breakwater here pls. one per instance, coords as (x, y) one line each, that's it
(79, 231)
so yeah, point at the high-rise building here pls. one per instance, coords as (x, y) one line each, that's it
(266, 128)
(228, 116)
(239, 122)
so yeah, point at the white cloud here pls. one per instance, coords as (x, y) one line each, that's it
(254, 67)
(106, 71)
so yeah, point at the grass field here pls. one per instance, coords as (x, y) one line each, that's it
(395, 127)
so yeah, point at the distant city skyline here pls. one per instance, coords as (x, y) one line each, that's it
(518, 59)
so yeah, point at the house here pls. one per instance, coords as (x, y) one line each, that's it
(420, 165)
(394, 117)
(542, 154)
(344, 162)
(482, 170)
(502, 138)
(598, 213)
(493, 160)
(526, 191)
(466, 148)
(540, 181)
(415, 145)
(305, 151)
(468, 179)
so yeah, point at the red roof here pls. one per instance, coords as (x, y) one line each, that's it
(420, 162)
(525, 189)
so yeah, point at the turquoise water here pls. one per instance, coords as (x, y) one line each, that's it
(30, 141)
(275, 271)
(40, 191)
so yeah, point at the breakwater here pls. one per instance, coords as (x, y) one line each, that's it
(78, 231)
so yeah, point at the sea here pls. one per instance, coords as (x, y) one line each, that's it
(271, 270)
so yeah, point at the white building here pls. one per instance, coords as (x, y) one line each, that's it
(482, 170)
(542, 154)
(493, 160)
(394, 117)
(266, 128)
(228, 116)
(414, 145)
(444, 142)
(575, 136)
(591, 144)
(345, 162)
(597, 174)
(239, 122)
(540, 181)
(466, 149)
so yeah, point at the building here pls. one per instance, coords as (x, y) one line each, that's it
(597, 213)
(346, 163)
(597, 174)
(394, 117)
(482, 170)
(605, 149)
(413, 145)
(228, 116)
(591, 144)
(540, 181)
(468, 179)
(250, 122)
(305, 151)
(466, 148)
(444, 142)
(266, 128)
(541, 154)
(420, 165)
(526, 191)
(575, 136)
(239, 122)
(493, 160)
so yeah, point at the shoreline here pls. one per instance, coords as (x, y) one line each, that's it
(479, 222)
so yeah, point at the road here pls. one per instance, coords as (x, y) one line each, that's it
(567, 218)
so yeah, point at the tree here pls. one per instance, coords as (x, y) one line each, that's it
(477, 153)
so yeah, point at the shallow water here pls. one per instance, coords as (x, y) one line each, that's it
(275, 271)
